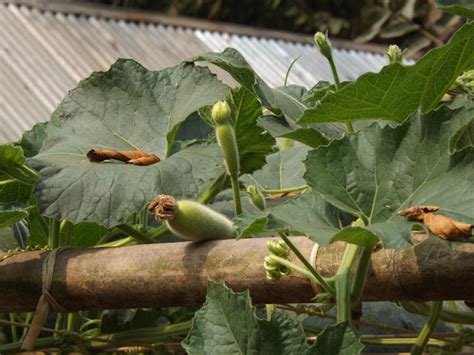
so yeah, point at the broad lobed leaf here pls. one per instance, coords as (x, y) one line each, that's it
(125, 108)
(227, 324)
(399, 90)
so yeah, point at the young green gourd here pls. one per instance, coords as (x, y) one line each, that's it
(226, 139)
(191, 220)
(226, 136)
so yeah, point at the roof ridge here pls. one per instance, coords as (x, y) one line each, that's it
(108, 12)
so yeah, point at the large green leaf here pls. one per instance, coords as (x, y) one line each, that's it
(458, 7)
(308, 214)
(339, 339)
(125, 108)
(399, 90)
(284, 169)
(75, 189)
(227, 324)
(378, 171)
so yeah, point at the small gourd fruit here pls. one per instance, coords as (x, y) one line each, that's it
(191, 220)
(226, 136)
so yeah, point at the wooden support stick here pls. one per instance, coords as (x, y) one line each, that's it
(172, 274)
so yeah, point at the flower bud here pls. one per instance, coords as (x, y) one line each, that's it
(324, 44)
(256, 197)
(394, 54)
(220, 112)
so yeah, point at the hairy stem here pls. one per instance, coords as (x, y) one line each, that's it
(343, 295)
(428, 329)
(66, 230)
(53, 233)
(234, 179)
(361, 273)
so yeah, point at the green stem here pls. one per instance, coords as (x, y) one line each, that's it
(350, 127)
(53, 233)
(282, 191)
(428, 329)
(343, 295)
(400, 341)
(66, 230)
(289, 69)
(29, 317)
(59, 321)
(217, 186)
(71, 320)
(150, 335)
(446, 315)
(143, 218)
(361, 273)
(139, 236)
(335, 74)
(318, 278)
(452, 307)
(234, 179)
(270, 308)
(41, 343)
(13, 327)
(118, 243)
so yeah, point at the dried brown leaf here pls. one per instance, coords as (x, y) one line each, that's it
(135, 157)
(447, 228)
(416, 213)
(440, 225)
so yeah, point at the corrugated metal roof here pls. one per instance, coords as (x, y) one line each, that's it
(44, 54)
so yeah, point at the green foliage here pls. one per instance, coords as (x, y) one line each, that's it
(252, 141)
(227, 324)
(283, 169)
(308, 214)
(399, 90)
(378, 171)
(459, 7)
(350, 185)
(97, 115)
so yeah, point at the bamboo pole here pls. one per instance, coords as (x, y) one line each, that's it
(172, 274)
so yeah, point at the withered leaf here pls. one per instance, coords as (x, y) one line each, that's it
(135, 157)
(440, 225)
(416, 213)
(447, 228)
